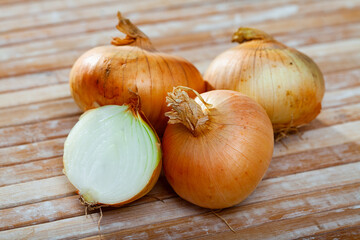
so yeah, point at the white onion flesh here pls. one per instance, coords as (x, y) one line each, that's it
(111, 155)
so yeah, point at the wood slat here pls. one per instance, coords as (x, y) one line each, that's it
(199, 24)
(333, 116)
(313, 159)
(341, 97)
(97, 24)
(194, 40)
(36, 132)
(298, 227)
(3, 2)
(347, 233)
(246, 215)
(78, 27)
(321, 34)
(85, 226)
(31, 171)
(89, 40)
(39, 64)
(40, 212)
(35, 7)
(38, 112)
(321, 19)
(31, 152)
(34, 95)
(29, 81)
(342, 79)
(319, 138)
(106, 11)
(332, 49)
(175, 208)
(35, 191)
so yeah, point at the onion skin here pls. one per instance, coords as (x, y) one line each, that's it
(222, 162)
(104, 75)
(287, 83)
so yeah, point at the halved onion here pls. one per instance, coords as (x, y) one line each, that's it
(112, 156)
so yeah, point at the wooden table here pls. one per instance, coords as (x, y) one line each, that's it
(312, 188)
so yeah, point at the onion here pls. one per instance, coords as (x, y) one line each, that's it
(215, 155)
(286, 82)
(103, 75)
(112, 156)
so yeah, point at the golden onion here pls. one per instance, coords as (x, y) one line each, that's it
(215, 154)
(287, 83)
(104, 75)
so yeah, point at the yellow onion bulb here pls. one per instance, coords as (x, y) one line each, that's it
(216, 153)
(112, 156)
(104, 75)
(285, 82)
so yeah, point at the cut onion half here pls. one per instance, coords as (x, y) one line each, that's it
(112, 156)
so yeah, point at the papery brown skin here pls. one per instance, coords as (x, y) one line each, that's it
(287, 83)
(104, 75)
(225, 160)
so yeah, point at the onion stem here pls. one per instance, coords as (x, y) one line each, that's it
(186, 110)
(207, 105)
(248, 34)
(134, 36)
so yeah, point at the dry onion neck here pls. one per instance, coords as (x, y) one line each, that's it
(186, 110)
(244, 34)
(134, 36)
(134, 102)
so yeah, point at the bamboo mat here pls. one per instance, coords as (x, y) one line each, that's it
(312, 188)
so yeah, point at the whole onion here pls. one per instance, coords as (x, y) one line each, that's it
(287, 83)
(104, 75)
(215, 154)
